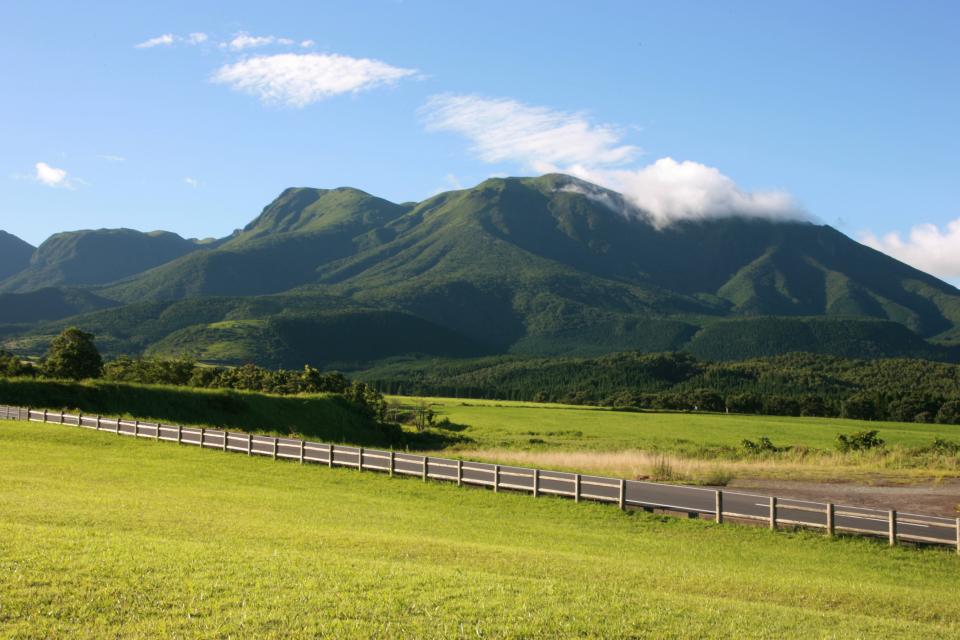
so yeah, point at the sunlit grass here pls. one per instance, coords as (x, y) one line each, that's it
(103, 536)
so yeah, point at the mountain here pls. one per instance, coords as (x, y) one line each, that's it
(536, 266)
(93, 257)
(14, 255)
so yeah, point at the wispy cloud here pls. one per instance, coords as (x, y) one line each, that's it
(547, 140)
(298, 80)
(191, 182)
(927, 247)
(52, 176)
(111, 158)
(169, 39)
(507, 130)
(166, 39)
(243, 40)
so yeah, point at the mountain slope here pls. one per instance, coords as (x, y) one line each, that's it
(92, 257)
(542, 266)
(14, 255)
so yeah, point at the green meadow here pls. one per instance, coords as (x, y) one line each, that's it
(112, 537)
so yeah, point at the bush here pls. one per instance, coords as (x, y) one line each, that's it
(12, 366)
(860, 441)
(764, 446)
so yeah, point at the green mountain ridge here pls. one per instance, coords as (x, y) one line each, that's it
(536, 266)
(94, 257)
(14, 254)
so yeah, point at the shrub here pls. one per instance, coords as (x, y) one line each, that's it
(860, 407)
(860, 441)
(764, 446)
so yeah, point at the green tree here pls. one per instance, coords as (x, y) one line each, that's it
(73, 355)
(949, 413)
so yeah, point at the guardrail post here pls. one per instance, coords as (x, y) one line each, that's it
(98, 422)
(44, 415)
(425, 458)
(536, 482)
(61, 416)
(330, 455)
(892, 528)
(622, 497)
(158, 433)
(276, 446)
(79, 418)
(831, 526)
(393, 461)
(576, 488)
(496, 478)
(179, 434)
(302, 446)
(226, 436)
(958, 536)
(773, 512)
(203, 432)
(118, 426)
(136, 428)
(360, 459)
(460, 482)
(249, 444)
(718, 506)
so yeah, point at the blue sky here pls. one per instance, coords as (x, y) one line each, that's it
(843, 111)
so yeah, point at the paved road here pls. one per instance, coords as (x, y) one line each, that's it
(695, 501)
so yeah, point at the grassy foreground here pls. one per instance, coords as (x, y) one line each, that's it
(697, 447)
(104, 536)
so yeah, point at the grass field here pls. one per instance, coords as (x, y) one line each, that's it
(106, 537)
(698, 447)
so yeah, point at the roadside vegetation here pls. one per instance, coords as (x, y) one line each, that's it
(115, 537)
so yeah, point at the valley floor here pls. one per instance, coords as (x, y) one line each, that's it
(112, 537)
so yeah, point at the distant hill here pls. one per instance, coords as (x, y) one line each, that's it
(14, 255)
(93, 257)
(50, 303)
(536, 266)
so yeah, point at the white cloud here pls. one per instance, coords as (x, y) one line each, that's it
(927, 248)
(111, 158)
(192, 182)
(506, 130)
(300, 79)
(546, 140)
(243, 40)
(306, 44)
(52, 176)
(166, 39)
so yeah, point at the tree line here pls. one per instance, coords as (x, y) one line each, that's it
(72, 355)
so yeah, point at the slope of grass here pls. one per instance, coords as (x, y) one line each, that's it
(112, 537)
(329, 418)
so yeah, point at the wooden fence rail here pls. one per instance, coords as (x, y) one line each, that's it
(693, 501)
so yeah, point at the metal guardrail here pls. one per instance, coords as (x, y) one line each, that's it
(694, 501)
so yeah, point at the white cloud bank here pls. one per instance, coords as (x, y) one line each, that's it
(52, 176)
(927, 248)
(298, 80)
(547, 140)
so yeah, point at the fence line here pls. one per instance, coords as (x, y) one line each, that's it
(693, 501)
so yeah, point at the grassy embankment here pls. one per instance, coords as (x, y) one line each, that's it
(329, 418)
(114, 537)
(688, 447)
